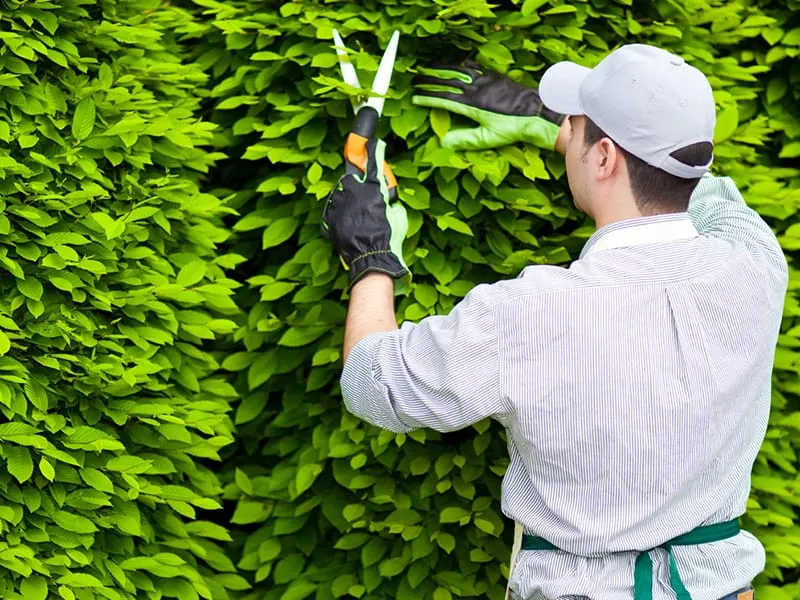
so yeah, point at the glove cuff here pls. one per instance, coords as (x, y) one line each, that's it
(376, 261)
(540, 132)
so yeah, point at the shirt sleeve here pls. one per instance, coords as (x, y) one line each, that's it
(717, 208)
(441, 373)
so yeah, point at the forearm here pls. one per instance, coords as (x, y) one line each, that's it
(371, 310)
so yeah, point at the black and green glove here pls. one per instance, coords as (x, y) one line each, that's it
(506, 111)
(365, 230)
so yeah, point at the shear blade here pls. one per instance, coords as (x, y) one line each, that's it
(348, 70)
(380, 85)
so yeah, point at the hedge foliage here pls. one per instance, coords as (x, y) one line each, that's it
(113, 410)
(171, 321)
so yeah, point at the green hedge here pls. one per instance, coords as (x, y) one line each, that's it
(113, 413)
(168, 301)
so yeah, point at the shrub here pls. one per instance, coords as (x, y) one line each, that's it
(139, 337)
(326, 505)
(112, 281)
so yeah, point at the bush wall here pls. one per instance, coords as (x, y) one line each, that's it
(169, 302)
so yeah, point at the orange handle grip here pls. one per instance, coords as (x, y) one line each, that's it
(355, 153)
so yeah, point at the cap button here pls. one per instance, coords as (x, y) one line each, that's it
(676, 60)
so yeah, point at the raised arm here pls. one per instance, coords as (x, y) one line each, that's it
(718, 209)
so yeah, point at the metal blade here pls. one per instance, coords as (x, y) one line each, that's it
(348, 70)
(380, 85)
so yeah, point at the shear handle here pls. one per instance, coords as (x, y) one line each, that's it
(355, 147)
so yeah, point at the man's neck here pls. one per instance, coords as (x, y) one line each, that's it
(614, 216)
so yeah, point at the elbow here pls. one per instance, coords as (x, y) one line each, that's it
(368, 399)
(359, 406)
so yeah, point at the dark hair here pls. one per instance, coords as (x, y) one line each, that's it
(656, 191)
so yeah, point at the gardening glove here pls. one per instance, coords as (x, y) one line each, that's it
(365, 230)
(506, 111)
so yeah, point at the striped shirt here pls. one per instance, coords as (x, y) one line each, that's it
(634, 386)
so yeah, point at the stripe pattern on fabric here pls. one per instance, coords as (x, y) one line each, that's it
(634, 387)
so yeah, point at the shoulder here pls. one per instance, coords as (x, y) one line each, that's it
(535, 281)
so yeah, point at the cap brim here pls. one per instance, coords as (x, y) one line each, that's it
(560, 88)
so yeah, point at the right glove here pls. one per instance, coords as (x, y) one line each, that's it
(507, 111)
(365, 229)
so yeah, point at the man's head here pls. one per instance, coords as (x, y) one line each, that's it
(642, 126)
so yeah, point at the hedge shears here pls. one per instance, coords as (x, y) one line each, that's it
(368, 111)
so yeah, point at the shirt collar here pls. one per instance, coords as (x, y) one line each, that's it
(641, 230)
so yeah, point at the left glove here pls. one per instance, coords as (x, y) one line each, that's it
(506, 111)
(364, 229)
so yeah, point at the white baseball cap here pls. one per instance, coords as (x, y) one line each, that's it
(649, 101)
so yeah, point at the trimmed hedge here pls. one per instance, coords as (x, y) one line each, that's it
(112, 410)
(168, 301)
(331, 507)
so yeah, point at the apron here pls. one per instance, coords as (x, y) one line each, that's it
(647, 233)
(643, 570)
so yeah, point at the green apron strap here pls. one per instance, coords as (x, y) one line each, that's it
(700, 535)
(643, 577)
(643, 570)
(675, 579)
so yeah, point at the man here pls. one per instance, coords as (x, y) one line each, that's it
(634, 384)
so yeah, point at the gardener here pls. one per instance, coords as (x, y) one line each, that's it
(635, 384)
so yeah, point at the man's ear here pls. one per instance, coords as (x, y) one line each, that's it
(607, 159)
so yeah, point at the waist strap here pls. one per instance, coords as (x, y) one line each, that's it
(643, 572)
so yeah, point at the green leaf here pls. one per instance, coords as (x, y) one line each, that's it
(792, 37)
(248, 511)
(238, 361)
(298, 590)
(306, 475)
(450, 222)
(276, 289)
(83, 119)
(453, 514)
(209, 530)
(5, 343)
(392, 566)
(485, 526)
(727, 122)
(192, 273)
(446, 542)
(251, 407)
(34, 588)
(288, 568)
(531, 6)
(19, 462)
(278, 232)
(243, 481)
(496, 53)
(312, 134)
(80, 580)
(410, 120)
(47, 470)
(128, 464)
(791, 150)
(442, 594)
(301, 336)
(440, 121)
(73, 522)
(30, 287)
(269, 550)
(351, 541)
(261, 370)
(426, 295)
(314, 173)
